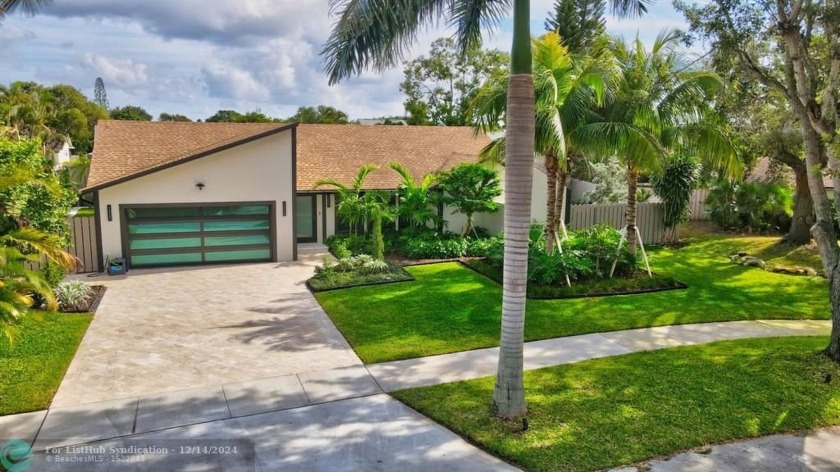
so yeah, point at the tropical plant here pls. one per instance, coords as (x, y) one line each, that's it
(416, 201)
(374, 35)
(350, 207)
(657, 107)
(471, 189)
(29, 7)
(567, 89)
(750, 205)
(73, 295)
(674, 185)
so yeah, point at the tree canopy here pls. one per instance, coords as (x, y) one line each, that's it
(321, 114)
(580, 23)
(440, 85)
(130, 113)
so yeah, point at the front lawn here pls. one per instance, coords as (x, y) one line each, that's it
(450, 308)
(619, 410)
(32, 368)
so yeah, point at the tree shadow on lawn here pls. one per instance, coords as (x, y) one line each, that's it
(450, 308)
(608, 412)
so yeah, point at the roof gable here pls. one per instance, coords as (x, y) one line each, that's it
(124, 150)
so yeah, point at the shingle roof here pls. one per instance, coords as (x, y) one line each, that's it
(127, 149)
(337, 152)
(124, 149)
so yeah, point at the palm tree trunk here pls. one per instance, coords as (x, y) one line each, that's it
(632, 184)
(550, 212)
(509, 391)
(560, 199)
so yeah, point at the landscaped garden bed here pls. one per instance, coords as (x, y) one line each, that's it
(449, 308)
(354, 271)
(638, 283)
(78, 297)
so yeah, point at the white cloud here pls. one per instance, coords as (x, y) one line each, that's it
(230, 82)
(124, 72)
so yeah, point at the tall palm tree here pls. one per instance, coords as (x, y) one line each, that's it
(656, 109)
(375, 34)
(568, 89)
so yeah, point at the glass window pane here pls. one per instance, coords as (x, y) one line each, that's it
(164, 243)
(165, 212)
(255, 254)
(163, 259)
(237, 240)
(236, 210)
(157, 228)
(234, 225)
(305, 214)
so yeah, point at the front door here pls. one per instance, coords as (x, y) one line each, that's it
(306, 218)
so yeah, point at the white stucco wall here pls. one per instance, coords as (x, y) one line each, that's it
(257, 171)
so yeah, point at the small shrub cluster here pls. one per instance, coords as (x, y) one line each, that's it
(414, 244)
(73, 295)
(356, 270)
(751, 206)
(587, 256)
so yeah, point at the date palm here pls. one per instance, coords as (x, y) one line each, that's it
(375, 35)
(568, 89)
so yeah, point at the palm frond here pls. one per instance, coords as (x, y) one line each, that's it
(493, 153)
(41, 243)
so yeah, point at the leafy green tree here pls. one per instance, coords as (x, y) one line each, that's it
(375, 35)
(130, 113)
(580, 23)
(43, 201)
(74, 115)
(674, 185)
(440, 85)
(471, 189)
(232, 116)
(174, 117)
(416, 202)
(807, 37)
(321, 114)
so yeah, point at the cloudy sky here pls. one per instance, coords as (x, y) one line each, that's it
(197, 56)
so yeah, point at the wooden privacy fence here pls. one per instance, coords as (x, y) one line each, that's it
(84, 245)
(697, 204)
(648, 218)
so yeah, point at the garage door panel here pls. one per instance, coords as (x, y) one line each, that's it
(203, 233)
(165, 243)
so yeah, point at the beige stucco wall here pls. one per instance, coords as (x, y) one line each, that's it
(257, 171)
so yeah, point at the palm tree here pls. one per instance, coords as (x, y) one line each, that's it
(29, 7)
(415, 200)
(375, 35)
(350, 205)
(656, 109)
(568, 88)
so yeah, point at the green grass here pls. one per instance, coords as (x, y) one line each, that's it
(620, 410)
(32, 367)
(450, 308)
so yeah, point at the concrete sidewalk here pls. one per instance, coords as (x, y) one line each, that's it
(817, 451)
(85, 423)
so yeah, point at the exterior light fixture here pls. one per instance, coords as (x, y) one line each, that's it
(200, 185)
(284, 208)
(110, 216)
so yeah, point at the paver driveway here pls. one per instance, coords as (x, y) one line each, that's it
(164, 330)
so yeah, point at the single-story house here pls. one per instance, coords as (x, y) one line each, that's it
(170, 193)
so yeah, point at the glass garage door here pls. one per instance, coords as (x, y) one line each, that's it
(172, 235)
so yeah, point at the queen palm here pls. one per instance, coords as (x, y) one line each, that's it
(375, 34)
(567, 88)
(657, 109)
